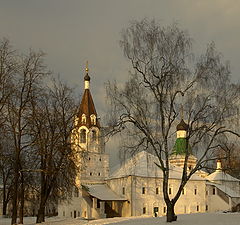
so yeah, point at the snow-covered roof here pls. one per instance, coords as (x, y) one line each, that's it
(226, 190)
(219, 175)
(143, 165)
(202, 173)
(103, 192)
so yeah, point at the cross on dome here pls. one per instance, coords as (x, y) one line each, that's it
(87, 78)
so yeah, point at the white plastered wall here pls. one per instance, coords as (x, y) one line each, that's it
(187, 203)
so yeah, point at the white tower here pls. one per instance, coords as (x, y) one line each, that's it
(89, 141)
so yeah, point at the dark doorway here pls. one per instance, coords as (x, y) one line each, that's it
(155, 211)
(75, 214)
(110, 212)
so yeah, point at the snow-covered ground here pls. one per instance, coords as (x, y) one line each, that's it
(187, 219)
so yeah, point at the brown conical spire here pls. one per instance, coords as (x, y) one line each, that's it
(87, 112)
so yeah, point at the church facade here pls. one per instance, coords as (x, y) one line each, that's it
(135, 189)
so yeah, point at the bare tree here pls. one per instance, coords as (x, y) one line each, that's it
(6, 170)
(28, 74)
(231, 163)
(51, 125)
(7, 69)
(165, 76)
(36, 120)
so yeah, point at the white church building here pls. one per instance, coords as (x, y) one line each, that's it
(136, 187)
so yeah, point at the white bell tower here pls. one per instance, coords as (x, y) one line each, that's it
(88, 140)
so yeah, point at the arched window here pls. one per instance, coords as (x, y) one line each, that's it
(93, 119)
(76, 192)
(94, 135)
(84, 119)
(83, 138)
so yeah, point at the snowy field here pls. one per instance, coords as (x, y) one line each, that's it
(188, 219)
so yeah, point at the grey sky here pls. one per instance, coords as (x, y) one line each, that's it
(73, 31)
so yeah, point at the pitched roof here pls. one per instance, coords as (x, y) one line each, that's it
(103, 192)
(219, 175)
(227, 190)
(143, 164)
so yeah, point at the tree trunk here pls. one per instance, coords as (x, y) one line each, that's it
(41, 211)
(43, 198)
(4, 211)
(15, 195)
(170, 213)
(21, 210)
(5, 201)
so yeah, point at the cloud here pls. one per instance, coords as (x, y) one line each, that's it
(73, 31)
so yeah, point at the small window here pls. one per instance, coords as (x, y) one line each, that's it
(214, 191)
(123, 190)
(91, 174)
(164, 209)
(157, 191)
(195, 191)
(93, 119)
(206, 192)
(99, 174)
(206, 207)
(78, 214)
(100, 159)
(144, 210)
(183, 191)
(197, 208)
(89, 158)
(170, 191)
(143, 190)
(63, 213)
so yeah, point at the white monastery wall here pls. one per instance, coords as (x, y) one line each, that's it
(96, 168)
(122, 186)
(214, 201)
(146, 193)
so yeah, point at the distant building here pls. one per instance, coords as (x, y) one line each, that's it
(136, 187)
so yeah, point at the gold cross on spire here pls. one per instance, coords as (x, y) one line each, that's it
(181, 112)
(87, 67)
